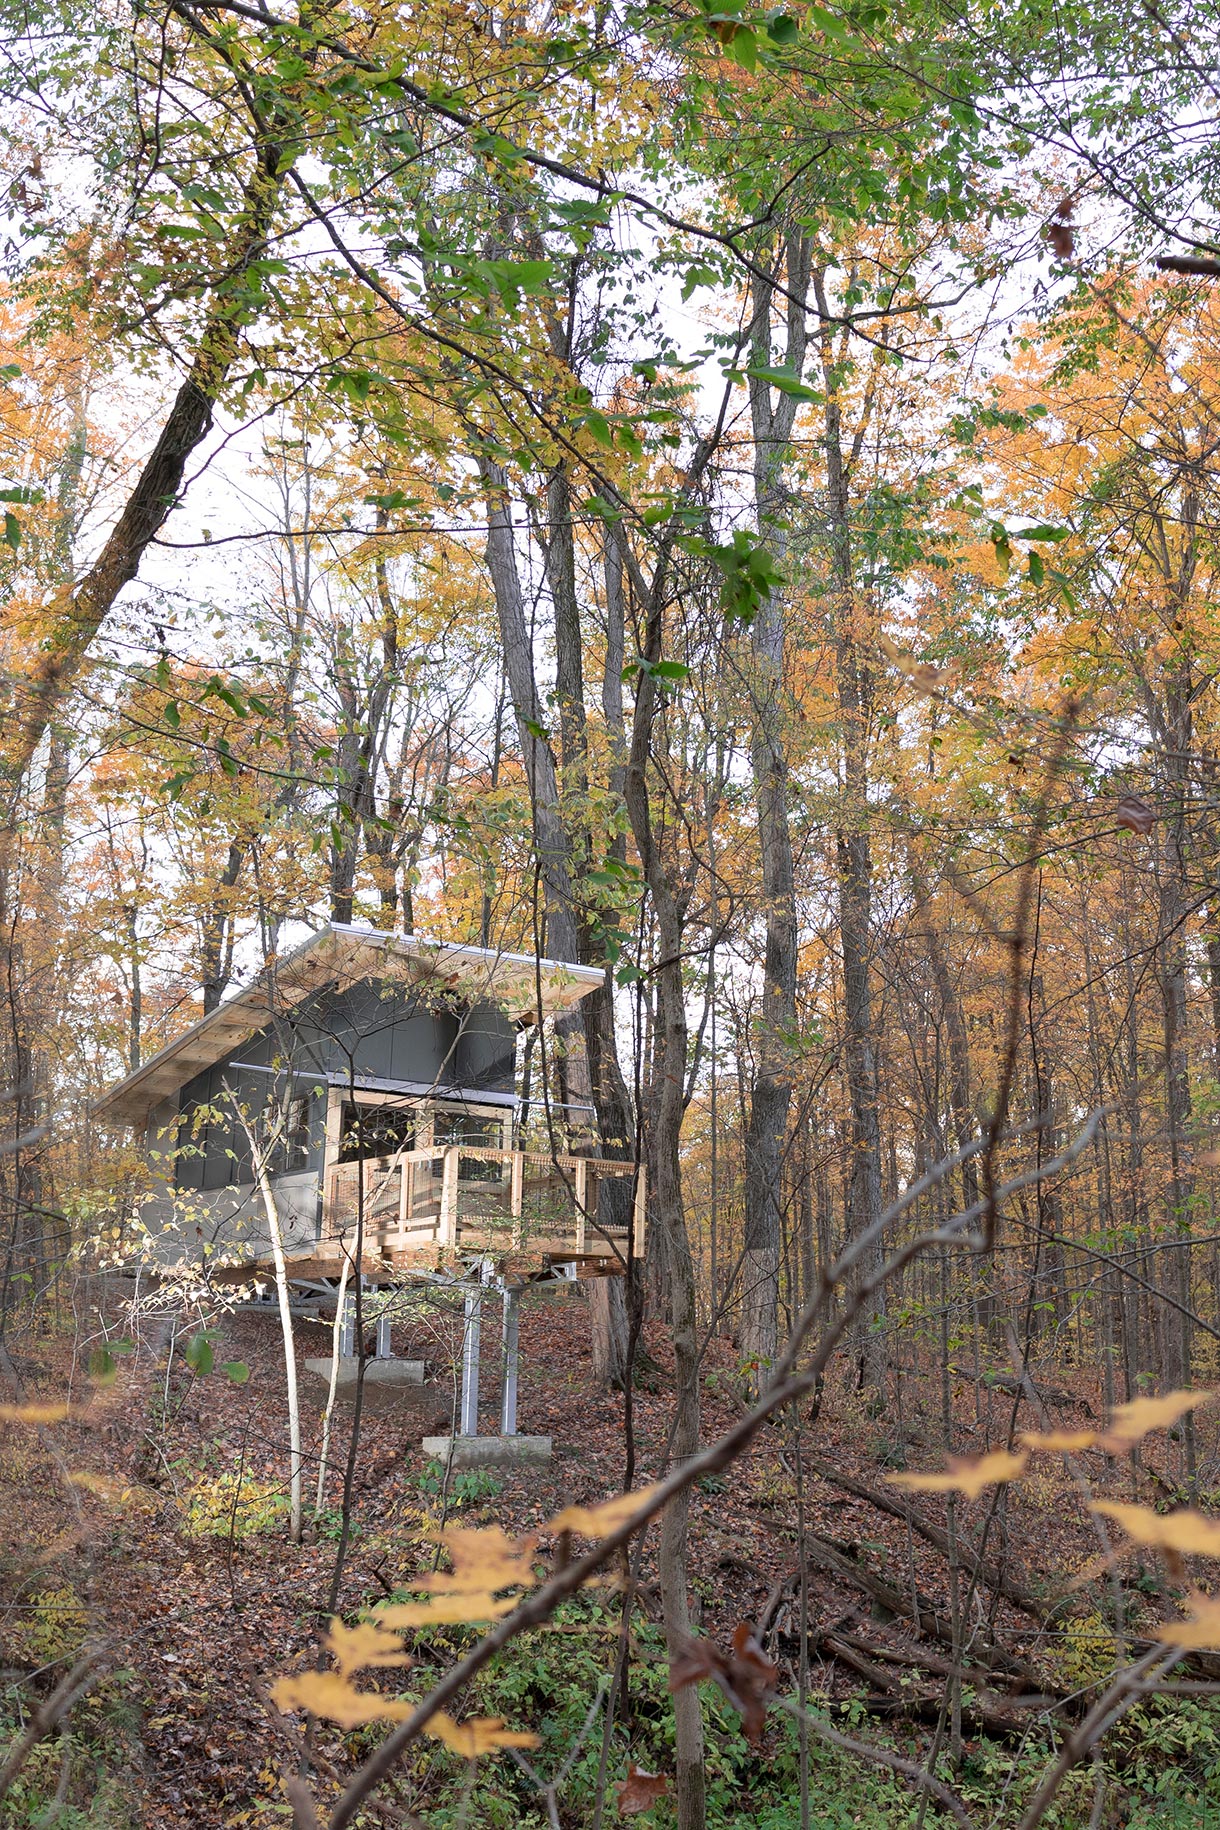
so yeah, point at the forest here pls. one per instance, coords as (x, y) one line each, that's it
(689, 533)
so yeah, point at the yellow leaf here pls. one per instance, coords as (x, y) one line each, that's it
(100, 1485)
(1130, 1423)
(481, 1735)
(484, 1560)
(968, 1475)
(460, 1609)
(599, 1521)
(1184, 1531)
(363, 1644)
(325, 1693)
(33, 1413)
(1201, 1632)
(1063, 1442)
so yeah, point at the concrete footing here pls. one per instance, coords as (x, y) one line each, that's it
(376, 1372)
(488, 1451)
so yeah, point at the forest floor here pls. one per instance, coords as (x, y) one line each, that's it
(154, 1518)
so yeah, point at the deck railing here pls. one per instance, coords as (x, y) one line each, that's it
(467, 1196)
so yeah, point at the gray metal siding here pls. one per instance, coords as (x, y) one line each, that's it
(392, 1036)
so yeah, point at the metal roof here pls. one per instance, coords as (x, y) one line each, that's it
(336, 957)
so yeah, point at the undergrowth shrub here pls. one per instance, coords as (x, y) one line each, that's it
(220, 1503)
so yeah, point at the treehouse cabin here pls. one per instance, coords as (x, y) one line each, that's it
(367, 1083)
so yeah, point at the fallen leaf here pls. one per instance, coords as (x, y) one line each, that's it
(325, 1693)
(599, 1521)
(479, 1735)
(1130, 1423)
(968, 1475)
(1186, 1532)
(639, 1791)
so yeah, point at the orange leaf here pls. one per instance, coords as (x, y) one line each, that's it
(639, 1791)
(33, 1413)
(480, 1735)
(1201, 1632)
(1130, 1423)
(1186, 1532)
(967, 1475)
(1062, 1442)
(364, 1644)
(325, 1693)
(599, 1521)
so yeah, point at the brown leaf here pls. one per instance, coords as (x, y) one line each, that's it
(968, 1475)
(1130, 1423)
(480, 1735)
(1135, 815)
(639, 1791)
(599, 1521)
(1059, 231)
(1186, 1533)
(746, 1676)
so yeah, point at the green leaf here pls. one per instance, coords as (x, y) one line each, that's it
(172, 715)
(782, 29)
(742, 47)
(1037, 571)
(785, 380)
(235, 1370)
(12, 530)
(198, 1354)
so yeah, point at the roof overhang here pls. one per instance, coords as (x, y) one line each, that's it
(523, 986)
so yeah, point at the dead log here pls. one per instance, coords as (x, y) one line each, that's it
(984, 1713)
(989, 1574)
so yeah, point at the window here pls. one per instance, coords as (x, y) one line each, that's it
(375, 1131)
(475, 1132)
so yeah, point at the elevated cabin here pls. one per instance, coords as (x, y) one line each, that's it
(375, 1076)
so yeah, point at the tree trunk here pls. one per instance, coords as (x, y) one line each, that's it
(771, 1091)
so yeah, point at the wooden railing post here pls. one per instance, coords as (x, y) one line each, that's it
(516, 1196)
(449, 1199)
(581, 1191)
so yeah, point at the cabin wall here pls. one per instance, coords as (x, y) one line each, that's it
(368, 1033)
(219, 1225)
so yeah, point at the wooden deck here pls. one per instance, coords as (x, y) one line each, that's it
(432, 1205)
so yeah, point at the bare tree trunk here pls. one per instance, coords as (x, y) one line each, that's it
(664, 1128)
(855, 865)
(771, 1091)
